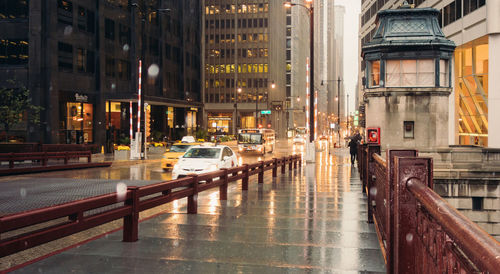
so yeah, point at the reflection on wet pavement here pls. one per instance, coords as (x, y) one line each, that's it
(312, 220)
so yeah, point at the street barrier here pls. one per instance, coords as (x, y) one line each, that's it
(39, 161)
(66, 219)
(418, 231)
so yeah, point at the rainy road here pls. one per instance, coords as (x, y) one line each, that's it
(26, 192)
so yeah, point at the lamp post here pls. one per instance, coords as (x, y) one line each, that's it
(337, 98)
(140, 101)
(310, 10)
(237, 99)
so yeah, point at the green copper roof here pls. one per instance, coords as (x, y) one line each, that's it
(407, 29)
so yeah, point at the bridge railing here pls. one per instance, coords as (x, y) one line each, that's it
(25, 230)
(419, 232)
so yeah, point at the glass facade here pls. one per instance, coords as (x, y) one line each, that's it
(471, 92)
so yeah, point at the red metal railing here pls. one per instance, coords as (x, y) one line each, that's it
(43, 157)
(419, 231)
(77, 216)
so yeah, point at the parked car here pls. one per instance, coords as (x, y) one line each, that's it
(299, 139)
(202, 159)
(172, 154)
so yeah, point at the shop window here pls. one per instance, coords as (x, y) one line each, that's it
(65, 57)
(79, 123)
(14, 9)
(65, 12)
(14, 52)
(109, 29)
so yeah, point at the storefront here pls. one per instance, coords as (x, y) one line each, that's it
(219, 123)
(76, 118)
(191, 120)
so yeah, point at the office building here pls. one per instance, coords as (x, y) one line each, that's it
(244, 49)
(80, 60)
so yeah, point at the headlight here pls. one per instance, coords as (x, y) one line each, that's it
(212, 168)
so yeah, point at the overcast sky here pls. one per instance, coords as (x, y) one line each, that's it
(351, 29)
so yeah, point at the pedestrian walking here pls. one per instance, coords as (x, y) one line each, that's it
(353, 149)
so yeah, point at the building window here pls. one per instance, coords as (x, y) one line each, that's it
(14, 52)
(123, 70)
(109, 29)
(13, 9)
(85, 61)
(477, 203)
(124, 35)
(410, 73)
(408, 129)
(444, 73)
(65, 57)
(374, 74)
(65, 12)
(110, 67)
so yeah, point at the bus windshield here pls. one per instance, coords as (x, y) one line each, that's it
(250, 138)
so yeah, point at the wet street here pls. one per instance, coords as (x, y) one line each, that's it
(308, 220)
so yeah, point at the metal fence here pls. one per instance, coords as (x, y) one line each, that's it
(419, 232)
(66, 219)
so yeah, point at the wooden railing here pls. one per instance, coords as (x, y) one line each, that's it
(42, 158)
(418, 230)
(77, 216)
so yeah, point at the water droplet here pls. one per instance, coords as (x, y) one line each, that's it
(23, 192)
(153, 70)
(113, 86)
(176, 243)
(373, 191)
(121, 191)
(409, 237)
(68, 30)
(126, 47)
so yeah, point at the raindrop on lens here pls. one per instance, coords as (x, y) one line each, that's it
(121, 191)
(373, 191)
(113, 86)
(126, 47)
(409, 237)
(68, 30)
(176, 243)
(23, 192)
(153, 70)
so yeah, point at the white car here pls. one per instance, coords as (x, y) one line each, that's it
(203, 159)
(299, 139)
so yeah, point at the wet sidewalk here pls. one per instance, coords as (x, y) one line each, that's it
(312, 220)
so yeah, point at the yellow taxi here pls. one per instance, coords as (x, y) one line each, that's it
(172, 154)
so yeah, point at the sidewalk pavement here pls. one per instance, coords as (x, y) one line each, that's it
(312, 220)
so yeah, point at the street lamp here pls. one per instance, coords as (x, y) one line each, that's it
(310, 10)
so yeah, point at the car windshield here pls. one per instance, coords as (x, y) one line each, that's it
(249, 138)
(179, 148)
(203, 152)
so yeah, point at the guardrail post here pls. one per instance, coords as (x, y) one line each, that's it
(261, 172)
(223, 187)
(131, 222)
(66, 156)
(244, 180)
(90, 157)
(404, 247)
(283, 165)
(275, 167)
(370, 178)
(44, 159)
(11, 160)
(192, 207)
(290, 163)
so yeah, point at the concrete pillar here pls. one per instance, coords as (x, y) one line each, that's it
(494, 91)
(493, 28)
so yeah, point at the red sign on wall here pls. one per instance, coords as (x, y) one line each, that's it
(373, 135)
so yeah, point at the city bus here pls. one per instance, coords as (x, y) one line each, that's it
(259, 140)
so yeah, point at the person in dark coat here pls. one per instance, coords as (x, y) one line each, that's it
(353, 149)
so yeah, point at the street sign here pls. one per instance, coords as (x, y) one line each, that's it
(265, 112)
